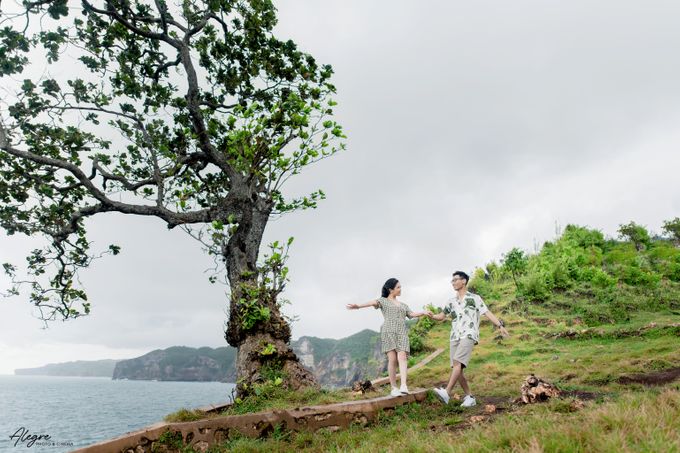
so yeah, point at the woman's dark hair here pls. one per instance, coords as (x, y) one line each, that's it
(462, 274)
(391, 283)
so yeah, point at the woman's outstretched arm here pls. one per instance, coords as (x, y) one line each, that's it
(418, 314)
(372, 303)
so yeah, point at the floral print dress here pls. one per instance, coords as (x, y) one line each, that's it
(393, 333)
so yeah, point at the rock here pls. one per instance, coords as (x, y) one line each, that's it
(477, 418)
(489, 409)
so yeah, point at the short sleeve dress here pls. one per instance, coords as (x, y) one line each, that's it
(393, 333)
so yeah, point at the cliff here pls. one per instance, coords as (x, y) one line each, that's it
(338, 363)
(84, 368)
(180, 363)
(334, 362)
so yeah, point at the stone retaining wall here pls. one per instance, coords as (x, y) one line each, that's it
(204, 433)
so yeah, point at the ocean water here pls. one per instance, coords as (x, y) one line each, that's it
(76, 412)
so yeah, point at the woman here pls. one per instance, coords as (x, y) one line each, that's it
(393, 333)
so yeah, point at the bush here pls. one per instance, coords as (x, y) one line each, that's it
(601, 279)
(672, 272)
(635, 276)
(482, 284)
(534, 287)
(416, 342)
(620, 253)
(561, 275)
(583, 237)
(417, 332)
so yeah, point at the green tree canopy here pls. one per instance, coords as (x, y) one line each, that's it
(194, 113)
(672, 229)
(637, 234)
(515, 261)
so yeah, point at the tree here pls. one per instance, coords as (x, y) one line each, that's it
(637, 234)
(672, 229)
(195, 114)
(515, 261)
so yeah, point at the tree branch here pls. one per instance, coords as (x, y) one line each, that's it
(172, 218)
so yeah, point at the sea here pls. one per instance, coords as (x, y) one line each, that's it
(78, 411)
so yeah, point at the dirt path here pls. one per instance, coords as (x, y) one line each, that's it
(651, 379)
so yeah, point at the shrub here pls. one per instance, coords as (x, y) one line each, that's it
(621, 253)
(601, 279)
(534, 287)
(583, 237)
(417, 332)
(561, 275)
(635, 276)
(672, 272)
(481, 284)
(416, 342)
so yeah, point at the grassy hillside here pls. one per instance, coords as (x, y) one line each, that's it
(598, 317)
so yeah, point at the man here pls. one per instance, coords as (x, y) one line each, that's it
(465, 310)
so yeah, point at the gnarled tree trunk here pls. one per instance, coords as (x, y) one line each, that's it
(264, 347)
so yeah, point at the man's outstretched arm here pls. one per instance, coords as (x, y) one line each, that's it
(497, 322)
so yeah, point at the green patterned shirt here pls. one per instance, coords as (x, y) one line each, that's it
(465, 315)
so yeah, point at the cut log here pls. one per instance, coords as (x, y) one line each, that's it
(535, 389)
(362, 387)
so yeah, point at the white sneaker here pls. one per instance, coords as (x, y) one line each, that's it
(468, 401)
(404, 390)
(442, 395)
(395, 392)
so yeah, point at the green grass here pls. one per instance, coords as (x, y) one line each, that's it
(632, 421)
(623, 418)
(610, 337)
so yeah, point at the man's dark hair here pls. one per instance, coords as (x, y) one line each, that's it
(462, 274)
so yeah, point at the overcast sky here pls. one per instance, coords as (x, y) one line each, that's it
(473, 127)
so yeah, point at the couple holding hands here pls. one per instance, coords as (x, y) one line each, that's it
(464, 309)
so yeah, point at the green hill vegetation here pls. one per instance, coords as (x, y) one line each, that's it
(335, 362)
(598, 317)
(180, 363)
(359, 346)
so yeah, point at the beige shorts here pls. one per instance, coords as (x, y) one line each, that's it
(461, 350)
